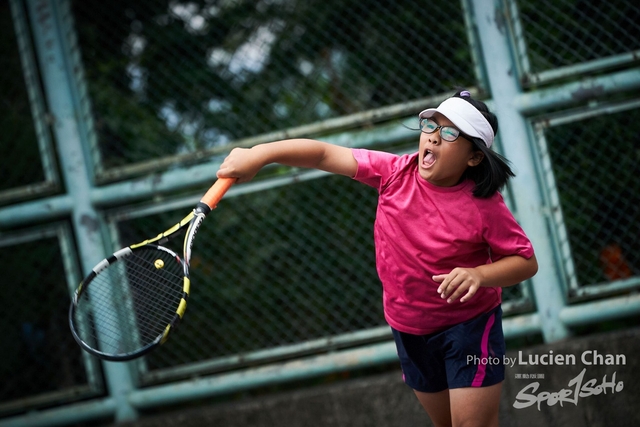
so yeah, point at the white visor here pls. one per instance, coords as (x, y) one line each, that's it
(465, 117)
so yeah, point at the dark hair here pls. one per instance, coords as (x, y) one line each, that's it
(493, 172)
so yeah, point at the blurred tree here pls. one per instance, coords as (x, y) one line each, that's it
(167, 77)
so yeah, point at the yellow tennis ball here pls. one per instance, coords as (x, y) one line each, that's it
(159, 264)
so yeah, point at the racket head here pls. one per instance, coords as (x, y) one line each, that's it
(130, 302)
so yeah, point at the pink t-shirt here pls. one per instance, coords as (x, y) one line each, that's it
(422, 230)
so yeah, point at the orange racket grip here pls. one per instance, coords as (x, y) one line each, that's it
(217, 191)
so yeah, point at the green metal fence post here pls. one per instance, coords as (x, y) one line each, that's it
(491, 20)
(50, 20)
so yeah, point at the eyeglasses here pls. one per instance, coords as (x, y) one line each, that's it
(447, 133)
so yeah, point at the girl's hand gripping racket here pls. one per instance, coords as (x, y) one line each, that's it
(132, 300)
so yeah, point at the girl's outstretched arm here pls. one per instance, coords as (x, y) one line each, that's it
(464, 282)
(244, 163)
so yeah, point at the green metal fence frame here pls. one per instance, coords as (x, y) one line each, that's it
(529, 78)
(539, 125)
(87, 204)
(51, 182)
(94, 386)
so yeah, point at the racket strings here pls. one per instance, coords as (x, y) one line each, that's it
(155, 300)
(130, 303)
(140, 316)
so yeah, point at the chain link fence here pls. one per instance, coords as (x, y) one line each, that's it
(285, 266)
(171, 83)
(181, 77)
(594, 160)
(39, 361)
(557, 34)
(25, 163)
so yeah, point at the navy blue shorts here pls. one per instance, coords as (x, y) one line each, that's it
(470, 354)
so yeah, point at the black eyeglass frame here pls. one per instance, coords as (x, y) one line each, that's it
(440, 128)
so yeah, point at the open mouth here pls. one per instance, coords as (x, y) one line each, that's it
(428, 159)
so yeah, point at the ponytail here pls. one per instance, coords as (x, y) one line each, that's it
(493, 172)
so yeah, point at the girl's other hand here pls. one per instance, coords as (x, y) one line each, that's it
(459, 282)
(507, 271)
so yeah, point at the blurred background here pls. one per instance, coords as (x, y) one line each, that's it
(116, 115)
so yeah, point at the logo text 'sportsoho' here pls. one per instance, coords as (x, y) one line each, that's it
(577, 389)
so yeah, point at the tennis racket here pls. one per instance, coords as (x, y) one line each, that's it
(131, 301)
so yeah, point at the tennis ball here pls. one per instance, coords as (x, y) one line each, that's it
(159, 264)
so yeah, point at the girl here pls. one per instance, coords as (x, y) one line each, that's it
(445, 246)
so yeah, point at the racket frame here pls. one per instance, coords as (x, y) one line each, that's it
(117, 256)
(192, 223)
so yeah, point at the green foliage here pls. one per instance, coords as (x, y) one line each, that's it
(169, 77)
